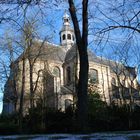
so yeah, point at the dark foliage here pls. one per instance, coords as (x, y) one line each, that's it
(101, 117)
(111, 118)
(44, 120)
(8, 124)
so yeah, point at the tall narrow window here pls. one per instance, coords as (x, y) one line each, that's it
(68, 74)
(115, 88)
(64, 36)
(69, 36)
(93, 76)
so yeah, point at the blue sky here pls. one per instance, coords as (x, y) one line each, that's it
(109, 45)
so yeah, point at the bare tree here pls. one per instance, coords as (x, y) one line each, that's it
(82, 43)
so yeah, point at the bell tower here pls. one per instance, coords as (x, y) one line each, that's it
(67, 37)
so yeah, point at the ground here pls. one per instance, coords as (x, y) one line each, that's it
(128, 135)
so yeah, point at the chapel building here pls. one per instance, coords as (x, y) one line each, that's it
(55, 70)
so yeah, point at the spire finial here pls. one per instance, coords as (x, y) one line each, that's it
(66, 18)
(65, 11)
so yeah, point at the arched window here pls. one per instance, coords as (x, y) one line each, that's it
(69, 36)
(68, 74)
(56, 71)
(113, 81)
(66, 20)
(68, 103)
(64, 36)
(93, 76)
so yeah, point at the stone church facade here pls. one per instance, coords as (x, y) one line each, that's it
(55, 72)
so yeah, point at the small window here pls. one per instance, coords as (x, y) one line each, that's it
(56, 72)
(66, 20)
(123, 82)
(68, 74)
(69, 36)
(113, 81)
(93, 76)
(64, 37)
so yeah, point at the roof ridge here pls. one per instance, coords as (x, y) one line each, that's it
(46, 42)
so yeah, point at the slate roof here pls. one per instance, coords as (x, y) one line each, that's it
(45, 51)
(71, 54)
(115, 67)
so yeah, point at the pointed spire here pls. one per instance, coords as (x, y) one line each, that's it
(65, 14)
(67, 37)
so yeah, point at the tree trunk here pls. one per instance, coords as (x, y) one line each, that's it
(82, 43)
(22, 95)
(31, 84)
(82, 92)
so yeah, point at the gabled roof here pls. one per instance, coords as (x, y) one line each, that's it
(71, 54)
